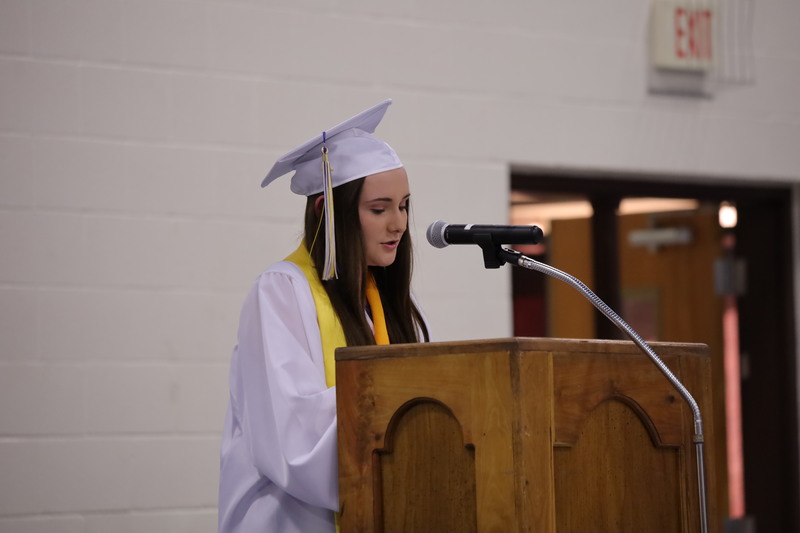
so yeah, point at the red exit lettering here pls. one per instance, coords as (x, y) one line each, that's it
(693, 33)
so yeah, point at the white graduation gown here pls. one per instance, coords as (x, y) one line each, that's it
(278, 466)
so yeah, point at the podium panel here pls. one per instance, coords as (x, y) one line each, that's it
(429, 471)
(506, 435)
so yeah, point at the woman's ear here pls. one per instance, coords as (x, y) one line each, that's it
(318, 204)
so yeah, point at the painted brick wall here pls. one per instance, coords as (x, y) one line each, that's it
(133, 137)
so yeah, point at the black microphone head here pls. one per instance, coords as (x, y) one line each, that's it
(435, 234)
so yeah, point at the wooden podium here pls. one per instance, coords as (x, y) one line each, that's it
(513, 435)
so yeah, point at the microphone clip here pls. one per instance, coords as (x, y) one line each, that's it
(492, 252)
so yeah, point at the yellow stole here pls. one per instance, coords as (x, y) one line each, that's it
(330, 328)
(376, 308)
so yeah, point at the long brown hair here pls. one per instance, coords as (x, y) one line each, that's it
(347, 292)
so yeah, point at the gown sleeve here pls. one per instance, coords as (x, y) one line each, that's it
(286, 413)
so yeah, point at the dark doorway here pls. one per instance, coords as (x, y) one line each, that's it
(766, 318)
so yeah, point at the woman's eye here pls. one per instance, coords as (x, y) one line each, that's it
(378, 211)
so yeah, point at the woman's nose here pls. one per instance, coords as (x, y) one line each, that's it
(398, 221)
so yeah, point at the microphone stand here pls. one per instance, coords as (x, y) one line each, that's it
(495, 255)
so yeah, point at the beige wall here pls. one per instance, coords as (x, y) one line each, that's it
(134, 135)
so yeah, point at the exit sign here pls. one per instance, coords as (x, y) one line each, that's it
(682, 35)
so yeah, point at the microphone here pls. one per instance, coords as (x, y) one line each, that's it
(441, 234)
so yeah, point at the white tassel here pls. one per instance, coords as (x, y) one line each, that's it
(329, 270)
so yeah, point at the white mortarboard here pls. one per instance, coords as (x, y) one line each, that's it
(352, 151)
(344, 153)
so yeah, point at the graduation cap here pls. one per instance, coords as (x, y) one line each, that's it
(343, 153)
(353, 153)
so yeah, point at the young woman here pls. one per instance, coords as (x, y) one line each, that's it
(348, 284)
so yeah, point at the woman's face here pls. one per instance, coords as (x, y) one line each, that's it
(383, 212)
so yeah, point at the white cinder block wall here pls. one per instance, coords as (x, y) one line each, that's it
(134, 135)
